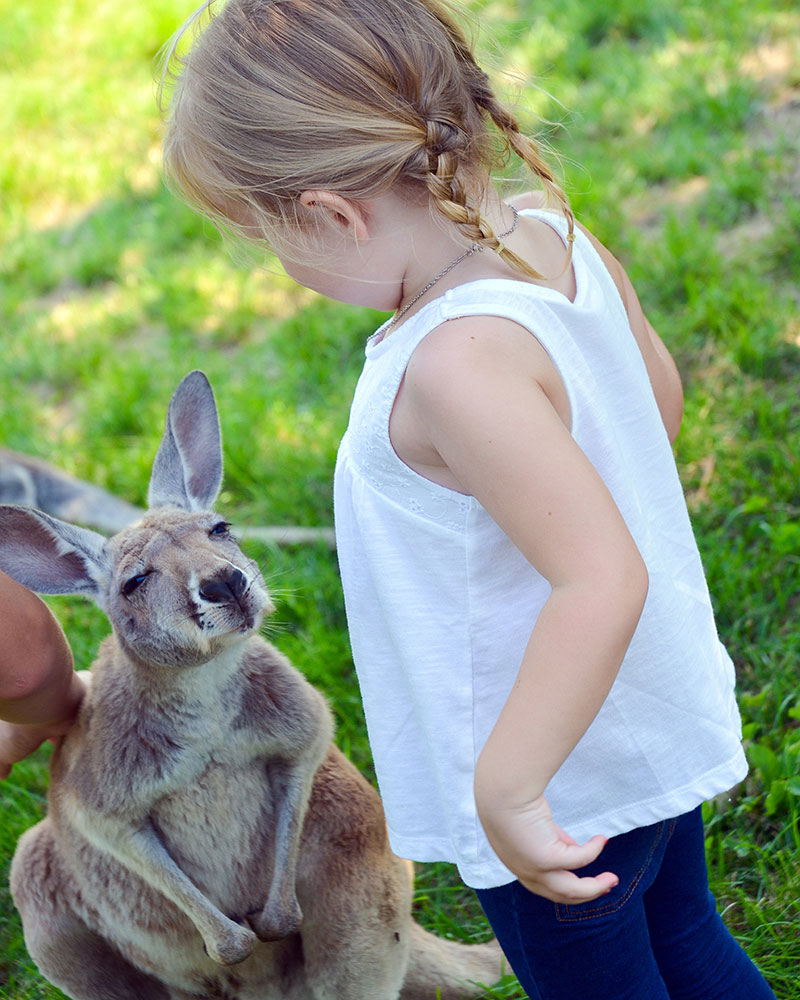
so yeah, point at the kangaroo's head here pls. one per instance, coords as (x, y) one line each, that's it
(175, 586)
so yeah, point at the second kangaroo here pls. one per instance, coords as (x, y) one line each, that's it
(204, 838)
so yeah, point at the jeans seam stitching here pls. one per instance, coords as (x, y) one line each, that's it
(565, 916)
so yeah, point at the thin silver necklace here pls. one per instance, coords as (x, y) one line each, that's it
(475, 248)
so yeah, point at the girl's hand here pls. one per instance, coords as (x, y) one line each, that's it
(541, 854)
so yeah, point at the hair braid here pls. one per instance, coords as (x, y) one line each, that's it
(447, 156)
(525, 148)
(444, 146)
(450, 197)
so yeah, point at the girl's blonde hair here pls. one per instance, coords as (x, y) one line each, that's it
(275, 97)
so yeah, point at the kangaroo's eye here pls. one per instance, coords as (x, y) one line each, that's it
(221, 528)
(130, 585)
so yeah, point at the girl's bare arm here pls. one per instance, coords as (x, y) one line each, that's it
(661, 368)
(475, 385)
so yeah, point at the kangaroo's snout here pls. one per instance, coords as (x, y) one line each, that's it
(229, 602)
(219, 591)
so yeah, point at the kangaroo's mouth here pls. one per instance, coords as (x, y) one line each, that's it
(251, 622)
(227, 619)
(224, 610)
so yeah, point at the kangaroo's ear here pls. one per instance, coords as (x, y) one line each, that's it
(51, 556)
(187, 471)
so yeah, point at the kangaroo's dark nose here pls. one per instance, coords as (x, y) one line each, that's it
(218, 591)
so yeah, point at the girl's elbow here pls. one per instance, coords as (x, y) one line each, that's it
(636, 584)
(628, 581)
(669, 396)
(672, 414)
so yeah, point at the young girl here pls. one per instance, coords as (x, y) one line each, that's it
(529, 617)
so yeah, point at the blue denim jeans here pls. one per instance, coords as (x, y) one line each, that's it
(656, 936)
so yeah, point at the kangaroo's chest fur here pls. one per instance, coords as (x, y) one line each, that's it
(218, 831)
(206, 769)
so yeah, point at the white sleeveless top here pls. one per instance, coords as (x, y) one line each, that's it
(441, 604)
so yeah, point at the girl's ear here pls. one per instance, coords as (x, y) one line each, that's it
(347, 216)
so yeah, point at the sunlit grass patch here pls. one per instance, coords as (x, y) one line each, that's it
(677, 128)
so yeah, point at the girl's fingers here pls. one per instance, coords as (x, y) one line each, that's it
(584, 854)
(567, 888)
(571, 856)
(562, 885)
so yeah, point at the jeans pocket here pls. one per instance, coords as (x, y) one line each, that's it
(635, 858)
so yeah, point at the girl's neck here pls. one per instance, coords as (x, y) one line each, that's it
(438, 259)
(385, 253)
(463, 256)
(435, 247)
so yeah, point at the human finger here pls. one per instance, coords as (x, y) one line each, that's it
(574, 855)
(567, 888)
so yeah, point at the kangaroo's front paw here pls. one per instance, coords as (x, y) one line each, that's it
(231, 945)
(276, 922)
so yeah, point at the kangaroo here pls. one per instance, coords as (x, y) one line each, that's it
(204, 837)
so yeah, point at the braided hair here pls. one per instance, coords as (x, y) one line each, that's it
(275, 97)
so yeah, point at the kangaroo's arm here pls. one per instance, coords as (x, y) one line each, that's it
(291, 722)
(138, 847)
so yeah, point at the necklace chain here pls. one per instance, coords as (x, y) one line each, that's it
(475, 248)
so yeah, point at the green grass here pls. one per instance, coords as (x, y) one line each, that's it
(676, 124)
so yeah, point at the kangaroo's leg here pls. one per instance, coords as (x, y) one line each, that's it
(356, 947)
(84, 965)
(359, 940)
(66, 951)
(355, 894)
